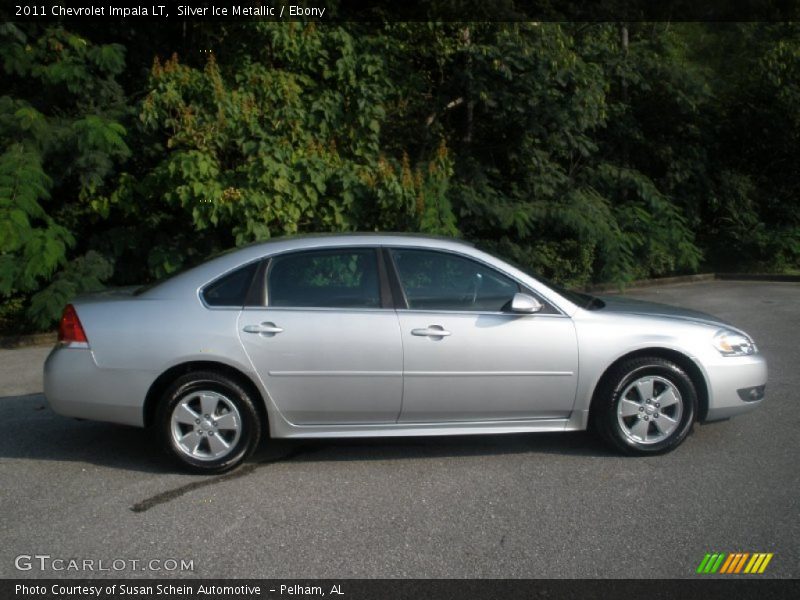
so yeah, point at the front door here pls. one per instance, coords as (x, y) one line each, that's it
(466, 358)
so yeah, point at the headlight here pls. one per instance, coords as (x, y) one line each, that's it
(730, 343)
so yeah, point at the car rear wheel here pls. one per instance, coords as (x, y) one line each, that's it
(208, 422)
(645, 406)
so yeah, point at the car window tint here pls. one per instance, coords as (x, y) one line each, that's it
(325, 279)
(443, 281)
(231, 290)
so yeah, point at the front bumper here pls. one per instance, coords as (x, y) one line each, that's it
(76, 387)
(733, 385)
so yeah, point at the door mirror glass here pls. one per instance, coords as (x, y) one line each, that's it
(525, 304)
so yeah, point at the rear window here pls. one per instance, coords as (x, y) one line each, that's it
(346, 278)
(231, 290)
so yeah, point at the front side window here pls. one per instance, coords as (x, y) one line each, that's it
(345, 278)
(442, 281)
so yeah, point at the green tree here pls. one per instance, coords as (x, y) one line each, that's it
(279, 140)
(584, 151)
(527, 109)
(754, 213)
(60, 140)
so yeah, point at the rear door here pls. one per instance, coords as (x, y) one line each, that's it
(327, 344)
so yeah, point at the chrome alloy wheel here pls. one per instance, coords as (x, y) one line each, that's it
(649, 409)
(206, 425)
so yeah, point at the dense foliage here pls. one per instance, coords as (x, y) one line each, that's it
(586, 152)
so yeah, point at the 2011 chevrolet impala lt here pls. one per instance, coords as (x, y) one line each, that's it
(389, 335)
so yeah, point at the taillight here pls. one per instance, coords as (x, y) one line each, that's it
(70, 328)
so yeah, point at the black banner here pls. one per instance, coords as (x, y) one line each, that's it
(410, 589)
(405, 10)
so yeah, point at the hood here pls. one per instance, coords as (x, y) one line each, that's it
(620, 304)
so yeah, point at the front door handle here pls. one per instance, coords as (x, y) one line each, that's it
(431, 331)
(266, 328)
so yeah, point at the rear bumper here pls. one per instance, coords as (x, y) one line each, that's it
(76, 387)
(731, 383)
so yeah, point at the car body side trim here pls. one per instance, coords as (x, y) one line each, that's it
(420, 373)
(335, 373)
(488, 373)
(286, 431)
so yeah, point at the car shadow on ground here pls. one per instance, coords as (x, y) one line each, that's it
(40, 434)
(37, 433)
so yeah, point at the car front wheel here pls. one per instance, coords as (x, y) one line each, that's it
(645, 406)
(208, 422)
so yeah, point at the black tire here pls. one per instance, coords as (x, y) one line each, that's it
(248, 422)
(612, 427)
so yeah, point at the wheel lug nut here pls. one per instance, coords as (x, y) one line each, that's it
(197, 421)
(641, 409)
(646, 418)
(210, 433)
(658, 405)
(648, 401)
(656, 415)
(205, 416)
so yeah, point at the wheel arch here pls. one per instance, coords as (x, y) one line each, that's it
(680, 359)
(163, 381)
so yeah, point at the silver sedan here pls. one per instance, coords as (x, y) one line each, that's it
(389, 335)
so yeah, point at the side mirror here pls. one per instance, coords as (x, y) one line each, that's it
(525, 304)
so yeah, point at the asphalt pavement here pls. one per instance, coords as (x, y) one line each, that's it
(546, 505)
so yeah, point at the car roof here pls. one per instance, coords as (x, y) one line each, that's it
(238, 256)
(374, 237)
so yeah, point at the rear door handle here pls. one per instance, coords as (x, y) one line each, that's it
(267, 328)
(431, 331)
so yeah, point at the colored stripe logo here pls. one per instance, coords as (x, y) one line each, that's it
(734, 563)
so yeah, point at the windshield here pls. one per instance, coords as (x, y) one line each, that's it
(581, 299)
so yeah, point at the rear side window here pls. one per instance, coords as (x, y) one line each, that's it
(443, 281)
(346, 278)
(231, 290)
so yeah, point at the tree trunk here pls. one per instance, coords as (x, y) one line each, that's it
(467, 41)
